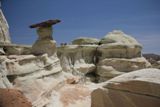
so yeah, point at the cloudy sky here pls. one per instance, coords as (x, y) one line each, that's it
(91, 18)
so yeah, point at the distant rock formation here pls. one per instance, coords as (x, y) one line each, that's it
(140, 88)
(154, 59)
(85, 41)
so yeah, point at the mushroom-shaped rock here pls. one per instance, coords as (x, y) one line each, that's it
(45, 42)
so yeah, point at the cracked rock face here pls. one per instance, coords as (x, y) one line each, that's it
(139, 88)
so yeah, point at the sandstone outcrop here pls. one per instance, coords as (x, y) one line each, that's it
(28, 72)
(85, 41)
(117, 54)
(112, 67)
(75, 58)
(117, 44)
(140, 88)
(4, 30)
(15, 49)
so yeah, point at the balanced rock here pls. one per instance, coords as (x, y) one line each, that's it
(45, 42)
(140, 88)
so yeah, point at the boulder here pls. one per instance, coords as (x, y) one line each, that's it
(139, 88)
(117, 44)
(85, 41)
(13, 98)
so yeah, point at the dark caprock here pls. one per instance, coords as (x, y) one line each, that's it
(45, 23)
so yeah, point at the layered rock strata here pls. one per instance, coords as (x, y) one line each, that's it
(140, 88)
(113, 55)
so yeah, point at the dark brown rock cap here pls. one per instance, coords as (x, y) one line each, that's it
(47, 23)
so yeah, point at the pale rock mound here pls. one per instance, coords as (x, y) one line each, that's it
(119, 53)
(117, 44)
(140, 88)
(85, 41)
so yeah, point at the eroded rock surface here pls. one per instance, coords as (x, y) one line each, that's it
(77, 58)
(13, 98)
(140, 88)
(117, 44)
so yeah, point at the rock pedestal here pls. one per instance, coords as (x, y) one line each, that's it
(45, 42)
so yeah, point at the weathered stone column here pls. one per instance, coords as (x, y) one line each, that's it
(45, 42)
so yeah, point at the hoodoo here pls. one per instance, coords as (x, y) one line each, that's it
(45, 42)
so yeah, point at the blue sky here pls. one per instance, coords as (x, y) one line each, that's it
(91, 18)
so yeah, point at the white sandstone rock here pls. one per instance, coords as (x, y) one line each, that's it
(139, 88)
(125, 65)
(77, 58)
(4, 29)
(116, 44)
